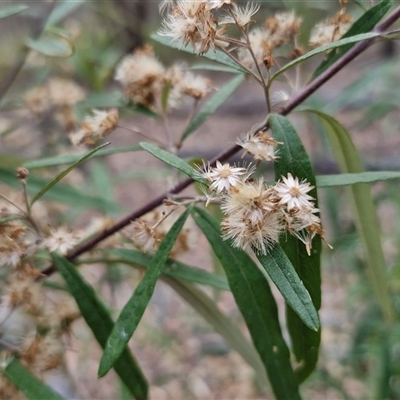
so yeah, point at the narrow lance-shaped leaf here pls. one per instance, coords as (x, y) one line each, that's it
(64, 194)
(212, 104)
(165, 96)
(61, 11)
(214, 67)
(52, 46)
(172, 268)
(364, 24)
(323, 49)
(282, 273)
(173, 160)
(217, 56)
(72, 158)
(27, 383)
(100, 322)
(253, 296)
(294, 159)
(356, 177)
(135, 307)
(66, 172)
(12, 10)
(367, 222)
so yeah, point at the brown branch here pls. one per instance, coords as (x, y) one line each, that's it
(304, 94)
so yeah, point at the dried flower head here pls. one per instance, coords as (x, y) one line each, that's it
(224, 177)
(251, 217)
(191, 22)
(240, 15)
(279, 98)
(142, 76)
(259, 237)
(212, 4)
(184, 82)
(57, 95)
(12, 243)
(95, 127)
(330, 30)
(294, 193)
(260, 145)
(22, 173)
(143, 235)
(64, 92)
(282, 28)
(38, 100)
(277, 31)
(304, 225)
(61, 239)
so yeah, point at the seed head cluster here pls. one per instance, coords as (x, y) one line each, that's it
(255, 213)
(144, 78)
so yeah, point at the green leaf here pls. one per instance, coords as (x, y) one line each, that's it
(214, 67)
(61, 193)
(66, 172)
(323, 49)
(172, 268)
(217, 56)
(294, 159)
(253, 296)
(173, 161)
(27, 383)
(364, 24)
(206, 307)
(356, 177)
(102, 180)
(101, 324)
(282, 273)
(11, 10)
(165, 95)
(135, 307)
(366, 220)
(212, 105)
(62, 10)
(52, 46)
(72, 158)
(103, 99)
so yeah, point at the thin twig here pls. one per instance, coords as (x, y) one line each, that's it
(226, 154)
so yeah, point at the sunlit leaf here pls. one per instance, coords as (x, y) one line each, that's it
(133, 310)
(257, 305)
(100, 322)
